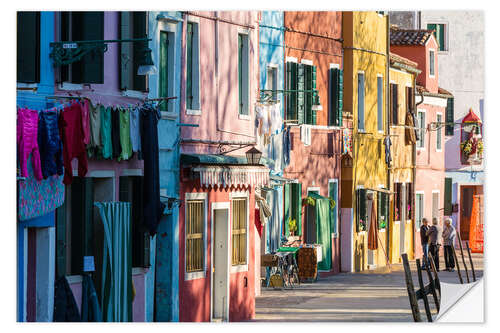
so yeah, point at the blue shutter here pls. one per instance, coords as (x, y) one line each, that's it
(340, 95)
(361, 101)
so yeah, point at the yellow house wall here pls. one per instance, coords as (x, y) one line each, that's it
(401, 165)
(366, 31)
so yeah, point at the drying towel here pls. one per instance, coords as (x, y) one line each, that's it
(86, 122)
(373, 231)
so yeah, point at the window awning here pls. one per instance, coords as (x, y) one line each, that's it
(229, 175)
(212, 159)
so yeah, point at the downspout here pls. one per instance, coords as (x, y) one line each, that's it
(414, 160)
(388, 132)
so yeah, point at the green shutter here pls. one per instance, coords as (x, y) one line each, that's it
(294, 95)
(332, 98)
(61, 242)
(288, 97)
(28, 47)
(240, 73)
(361, 210)
(311, 99)
(442, 46)
(340, 95)
(126, 51)
(82, 208)
(163, 68)
(189, 67)
(432, 27)
(286, 195)
(297, 205)
(140, 23)
(447, 196)
(301, 103)
(332, 193)
(450, 116)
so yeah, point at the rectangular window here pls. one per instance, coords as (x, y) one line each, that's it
(272, 80)
(431, 63)
(380, 103)
(421, 125)
(28, 47)
(239, 231)
(291, 111)
(419, 209)
(439, 133)
(166, 68)
(440, 34)
(335, 97)
(383, 209)
(243, 74)
(309, 86)
(394, 103)
(301, 77)
(132, 25)
(361, 101)
(333, 189)
(409, 201)
(81, 26)
(195, 239)
(409, 99)
(362, 218)
(398, 190)
(447, 196)
(450, 116)
(193, 67)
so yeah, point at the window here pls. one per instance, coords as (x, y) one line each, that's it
(239, 231)
(192, 67)
(419, 209)
(132, 25)
(335, 98)
(243, 74)
(166, 68)
(435, 204)
(410, 99)
(333, 188)
(431, 62)
(28, 47)
(293, 206)
(380, 103)
(383, 209)
(361, 101)
(421, 125)
(439, 133)
(272, 80)
(299, 104)
(409, 201)
(362, 218)
(440, 34)
(450, 117)
(80, 26)
(195, 230)
(448, 208)
(394, 103)
(398, 200)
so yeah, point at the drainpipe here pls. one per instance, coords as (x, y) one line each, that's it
(388, 126)
(414, 159)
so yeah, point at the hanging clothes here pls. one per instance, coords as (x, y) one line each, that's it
(135, 133)
(49, 143)
(106, 150)
(373, 230)
(71, 131)
(409, 132)
(286, 147)
(276, 120)
(153, 207)
(126, 146)
(417, 135)
(115, 132)
(388, 143)
(347, 141)
(65, 308)
(91, 311)
(258, 222)
(27, 141)
(95, 125)
(86, 122)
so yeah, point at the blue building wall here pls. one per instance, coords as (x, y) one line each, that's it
(167, 239)
(35, 100)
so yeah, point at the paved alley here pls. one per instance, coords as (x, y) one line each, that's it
(371, 296)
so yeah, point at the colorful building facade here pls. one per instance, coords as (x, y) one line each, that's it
(364, 175)
(314, 64)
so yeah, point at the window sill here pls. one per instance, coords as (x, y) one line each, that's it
(244, 117)
(70, 86)
(134, 94)
(194, 275)
(27, 87)
(193, 112)
(239, 268)
(169, 115)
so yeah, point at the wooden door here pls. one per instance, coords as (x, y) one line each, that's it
(466, 194)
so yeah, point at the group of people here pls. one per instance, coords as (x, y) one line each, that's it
(432, 237)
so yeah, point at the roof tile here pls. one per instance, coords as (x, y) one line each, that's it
(409, 37)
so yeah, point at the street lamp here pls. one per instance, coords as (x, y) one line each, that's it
(146, 65)
(253, 156)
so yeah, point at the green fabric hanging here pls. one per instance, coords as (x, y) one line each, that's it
(287, 209)
(116, 298)
(323, 231)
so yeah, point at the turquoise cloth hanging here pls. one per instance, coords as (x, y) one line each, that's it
(116, 298)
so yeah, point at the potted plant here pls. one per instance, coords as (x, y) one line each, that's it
(292, 226)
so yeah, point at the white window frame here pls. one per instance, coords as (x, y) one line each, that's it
(382, 120)
(336, 208)
(446, 29)
(363, 130)
(275, 69)
(238, 195)
(172, 104)
(422, 136)
(423, 208)
(246, 75)
(196, 82)
(314, 188)
(439, 132)
(196, 196)
(434, 60)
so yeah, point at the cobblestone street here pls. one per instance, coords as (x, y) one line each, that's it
(359, 297)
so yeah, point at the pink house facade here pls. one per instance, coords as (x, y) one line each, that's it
(421, 47)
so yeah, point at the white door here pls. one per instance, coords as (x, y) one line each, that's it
(220, 285)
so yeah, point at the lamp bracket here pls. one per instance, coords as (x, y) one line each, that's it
(68, 52)
(225, 148)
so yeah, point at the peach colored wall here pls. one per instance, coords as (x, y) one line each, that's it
(194, 295)
(222, 122)
(331, 50)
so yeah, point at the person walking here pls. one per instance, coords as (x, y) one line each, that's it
(424, 241)
(435, 234)
(449, 234)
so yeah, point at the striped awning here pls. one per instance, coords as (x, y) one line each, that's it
(226, 176)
